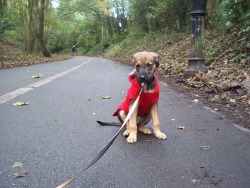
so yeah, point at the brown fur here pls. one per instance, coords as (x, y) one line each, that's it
(146, 63)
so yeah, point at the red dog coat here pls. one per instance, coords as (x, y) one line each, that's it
(146, 100)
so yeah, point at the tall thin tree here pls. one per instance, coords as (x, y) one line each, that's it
(40, 33)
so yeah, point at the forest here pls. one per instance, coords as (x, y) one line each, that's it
(53, 26)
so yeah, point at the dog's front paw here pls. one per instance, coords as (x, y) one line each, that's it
(132, 138)
(160, 135)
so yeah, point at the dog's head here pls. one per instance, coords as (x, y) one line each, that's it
(146, 64)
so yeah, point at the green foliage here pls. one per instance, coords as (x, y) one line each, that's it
(237, 10)
(8, 21)
(149, 41)
(160, 15)
(96, 25)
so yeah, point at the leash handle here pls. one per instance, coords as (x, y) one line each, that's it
(103, 151)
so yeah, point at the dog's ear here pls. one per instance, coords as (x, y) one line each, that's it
(134, 57)
(157, 59)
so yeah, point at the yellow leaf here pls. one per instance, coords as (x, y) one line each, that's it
(106, 97)
(36, 76)
(17, 164)
(20, 103)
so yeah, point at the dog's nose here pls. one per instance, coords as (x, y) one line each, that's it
(143, 77)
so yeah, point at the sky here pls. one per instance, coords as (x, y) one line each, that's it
(55, 3)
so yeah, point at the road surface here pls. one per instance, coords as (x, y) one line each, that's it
(56, 135)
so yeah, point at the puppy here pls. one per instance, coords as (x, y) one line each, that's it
(146, 64)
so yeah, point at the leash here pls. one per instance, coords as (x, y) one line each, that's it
(103, 151)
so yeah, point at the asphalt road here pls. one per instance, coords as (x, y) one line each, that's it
(56, 135)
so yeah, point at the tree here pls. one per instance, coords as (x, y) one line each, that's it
(40, 33)
(37, 26)
(31, 26)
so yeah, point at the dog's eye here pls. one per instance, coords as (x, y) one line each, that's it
(149, 64)
(137, 65)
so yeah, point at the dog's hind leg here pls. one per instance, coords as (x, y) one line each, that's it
(141, 122)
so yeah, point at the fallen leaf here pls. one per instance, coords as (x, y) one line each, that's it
(106, 97)
(194, 181)
(149, 140)
(196, 78)
(36, 76)
(17, 164)
(21, 174)
(180, 127)
(232, 100)
(20, 103)
(205, 147)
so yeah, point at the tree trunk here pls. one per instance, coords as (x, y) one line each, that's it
(31, 36)
(40, 34)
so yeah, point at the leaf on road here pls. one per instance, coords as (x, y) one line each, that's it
(20, 103)
(205, 147)
(194, 181)
(36, 76)
(106, 97)
(21, 174)
(149, 140)
(17, 164)
(180, 127)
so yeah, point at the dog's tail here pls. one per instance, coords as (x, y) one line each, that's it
(109, 123)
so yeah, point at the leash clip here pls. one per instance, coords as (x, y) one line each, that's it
(142, 84)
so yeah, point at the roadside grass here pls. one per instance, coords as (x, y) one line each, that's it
(173, 49)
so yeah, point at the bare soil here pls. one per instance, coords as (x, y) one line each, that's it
(11, 57)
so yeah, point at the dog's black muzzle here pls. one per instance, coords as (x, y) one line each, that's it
(144, 78)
